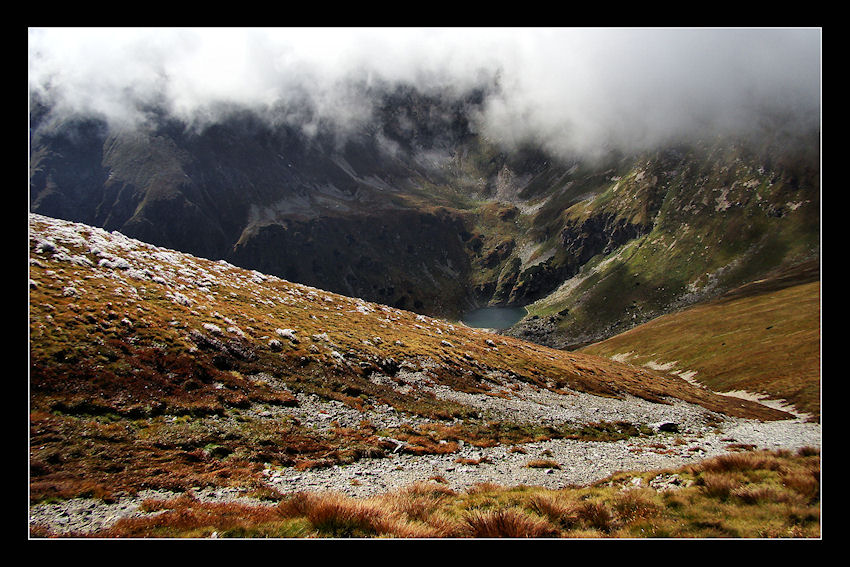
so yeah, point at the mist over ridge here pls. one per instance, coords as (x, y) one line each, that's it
(569, 90)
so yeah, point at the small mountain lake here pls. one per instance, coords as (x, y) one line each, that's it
(493, 317)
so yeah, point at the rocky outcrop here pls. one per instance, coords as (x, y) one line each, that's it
(600, 234)
(580, 241)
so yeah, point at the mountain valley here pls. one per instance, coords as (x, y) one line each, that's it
(253, 326)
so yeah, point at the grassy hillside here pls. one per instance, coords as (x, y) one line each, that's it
(151, 368)
(762, 338)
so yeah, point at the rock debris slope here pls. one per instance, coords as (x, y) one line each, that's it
(154, 372)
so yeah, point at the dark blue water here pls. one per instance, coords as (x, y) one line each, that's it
(493, 317)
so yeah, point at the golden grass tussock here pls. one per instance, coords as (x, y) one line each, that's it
(719, 485)
(506, 523)
(596, 515)
(636, 504)
(188, 517)
(740, 462)
(763, 494)
(420, 502)
(557, 507)
(804, 483)
(410, 513)
(335, 515)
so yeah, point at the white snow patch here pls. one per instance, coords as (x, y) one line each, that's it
(660, 366)
(622, 356)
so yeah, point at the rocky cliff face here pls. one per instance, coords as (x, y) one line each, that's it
(676, 229)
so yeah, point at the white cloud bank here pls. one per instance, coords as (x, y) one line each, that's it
(575, 89)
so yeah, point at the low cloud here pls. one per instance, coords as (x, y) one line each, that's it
(571, 89)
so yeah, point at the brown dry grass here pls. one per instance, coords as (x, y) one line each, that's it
(506, 523)
(542, 464)
(759, 494)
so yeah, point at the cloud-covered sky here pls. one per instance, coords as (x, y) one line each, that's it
(575, 89)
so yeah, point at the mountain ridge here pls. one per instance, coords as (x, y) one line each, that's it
(499, 227)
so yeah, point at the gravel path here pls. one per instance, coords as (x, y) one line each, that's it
(699, 436)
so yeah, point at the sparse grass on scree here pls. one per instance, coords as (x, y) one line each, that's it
(742, 495)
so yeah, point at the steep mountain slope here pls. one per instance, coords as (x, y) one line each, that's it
(417, 210)
(151, 368)
(320, 209)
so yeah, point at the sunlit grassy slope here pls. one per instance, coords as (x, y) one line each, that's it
(763, 338)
